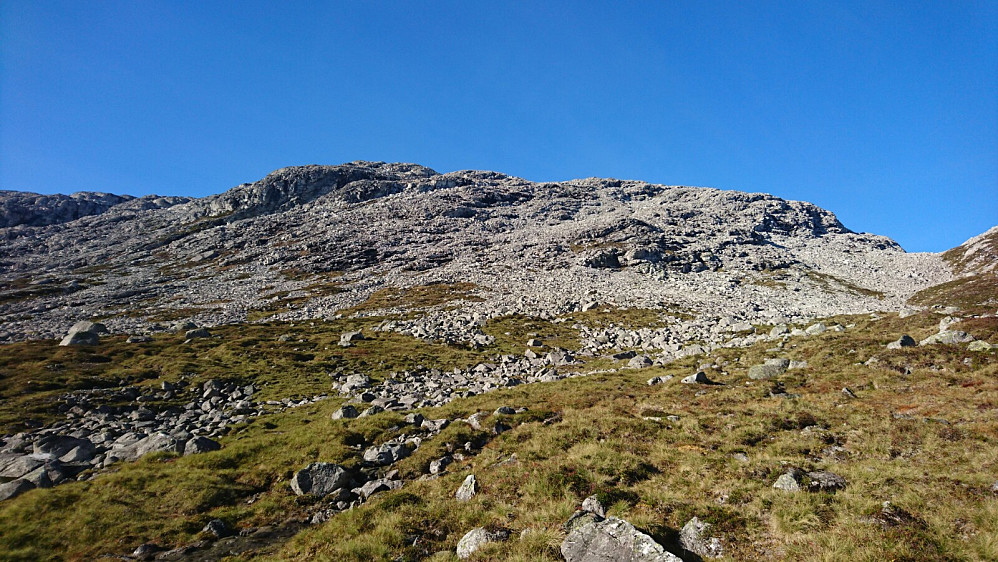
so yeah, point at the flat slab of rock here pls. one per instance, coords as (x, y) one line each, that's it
(610, 540)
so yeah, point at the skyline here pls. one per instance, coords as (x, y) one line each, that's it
(885, 115)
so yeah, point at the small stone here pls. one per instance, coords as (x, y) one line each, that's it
(440, 465)
(217, 528)
(695, 537)
(903, 341)
(980, 345)
(659, 380)
(593, 505)
(505, 411)
(474, 540)
(823, 481)
(345, 411)
(348, 338)
(197, 333)
(468, 489)
(697, 378)
(639, 362)
(787, 482)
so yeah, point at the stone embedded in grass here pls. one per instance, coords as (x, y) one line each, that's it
(441, 464)
(320, 479)
(476, 539)
(505, 410)
(695, 537)
(948, 337)
(699, 377)
(200, 445)
(218, 529)
(379, 485)
(475, 420)
(612, 539)
(823, 481)
(980, 345)
(371, 411)
(80, 338)
(788, 482)
(769, 369)
(348, 338)
(659, 380)
(468, 489)
(639, 362)
(903, 341)
(816, 329)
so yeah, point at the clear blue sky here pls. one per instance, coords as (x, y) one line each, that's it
(885, 113)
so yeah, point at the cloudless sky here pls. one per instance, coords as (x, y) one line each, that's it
(885, 113)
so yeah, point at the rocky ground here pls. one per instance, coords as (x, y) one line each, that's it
(265, 366)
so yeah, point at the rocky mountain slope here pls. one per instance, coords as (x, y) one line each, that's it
(314, 241)
(395, 364)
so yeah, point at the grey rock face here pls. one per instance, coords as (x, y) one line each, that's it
(31, 209)
(613, 539)
(386, 453)
(320, 479)
(468, 489)
(14, 488)
(611, 240)
(695, 537)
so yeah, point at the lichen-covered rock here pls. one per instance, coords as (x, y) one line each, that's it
(612, 539)
(468, 489)
(320, 479)
(695, 537)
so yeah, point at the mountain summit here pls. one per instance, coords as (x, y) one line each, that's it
(326, 238)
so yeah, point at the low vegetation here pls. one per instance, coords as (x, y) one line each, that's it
(920, 432)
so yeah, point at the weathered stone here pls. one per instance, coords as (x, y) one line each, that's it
(14, 488)
(788, 482)
(320, 479)
(347, 339)
(218, 529)
(80, 338)
(199, 445)
(823, 481)
(816, 329)
(386, 453)
(948, 337)
(612, 539)
(903, 341)
(639, 362)
(979, 345)
(695, 537)
(197, 333)
(473, 540)
(659, 380)
(592, 504)
(345, 411)
(699, 377)
(440, 465)
(468, 489)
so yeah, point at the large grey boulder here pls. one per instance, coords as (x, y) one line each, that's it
(199, 445)
(14, 488)
(88, 326)
(55, 446)
(80, 338)
(610, 540)
(320, 479)
(347, 339)
(771, 368)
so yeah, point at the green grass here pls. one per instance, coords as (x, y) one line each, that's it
(580, 436)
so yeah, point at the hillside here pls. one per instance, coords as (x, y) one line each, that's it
(378, 362)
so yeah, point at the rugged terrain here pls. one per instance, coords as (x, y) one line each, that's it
(376, 361)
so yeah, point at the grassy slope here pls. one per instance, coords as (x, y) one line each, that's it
(657, 474)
